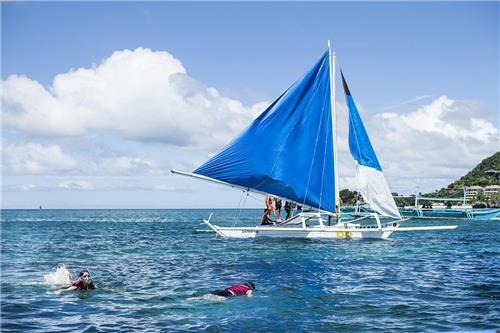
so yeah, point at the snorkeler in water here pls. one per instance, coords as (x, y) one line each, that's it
(84, 282)
(244, 289)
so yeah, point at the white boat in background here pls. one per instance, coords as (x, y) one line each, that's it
(437, 213)
(290, 152)
(440, 211)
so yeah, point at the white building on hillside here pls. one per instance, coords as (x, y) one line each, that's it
(491, 190)
(471, 192)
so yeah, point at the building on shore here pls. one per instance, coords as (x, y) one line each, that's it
(488, 192)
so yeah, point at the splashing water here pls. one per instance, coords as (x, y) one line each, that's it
(61, 277)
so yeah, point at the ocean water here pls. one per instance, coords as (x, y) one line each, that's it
(154, 269)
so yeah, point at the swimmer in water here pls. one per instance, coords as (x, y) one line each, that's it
(84, 282)
(244, 289)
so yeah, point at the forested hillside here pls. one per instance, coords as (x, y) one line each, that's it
(485, 173)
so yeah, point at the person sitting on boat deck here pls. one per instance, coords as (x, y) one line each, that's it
(84, 282)
(244, 289)
(277, 208)
(269, 209)
(266, 220)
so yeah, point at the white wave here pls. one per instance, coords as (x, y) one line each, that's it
(61, 277)
(208, 297)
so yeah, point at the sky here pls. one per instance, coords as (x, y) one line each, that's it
(101, 99)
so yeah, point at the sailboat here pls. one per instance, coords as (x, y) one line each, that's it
(290, 152)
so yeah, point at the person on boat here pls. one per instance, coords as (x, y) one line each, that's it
(266, 220)
(277, 208)
(288, 209)
(269, 203)
(244, 289)
(84, 282)
(269, 209)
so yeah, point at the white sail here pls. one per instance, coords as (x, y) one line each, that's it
(375, 191)
(369, 176)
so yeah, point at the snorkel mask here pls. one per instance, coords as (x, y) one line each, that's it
(250, 285)
(85, 276)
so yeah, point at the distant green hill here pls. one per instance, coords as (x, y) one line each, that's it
(482, 175)
(485, 173)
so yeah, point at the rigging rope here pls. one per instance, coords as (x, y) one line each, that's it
(237, 213)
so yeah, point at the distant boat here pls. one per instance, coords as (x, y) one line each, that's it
(452, 213)
(290, 152)
(434, 212)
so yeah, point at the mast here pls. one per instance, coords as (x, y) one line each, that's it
(416, 197)
(334, 130)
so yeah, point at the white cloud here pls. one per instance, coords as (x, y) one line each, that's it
(432, 146)
(37, 159)
(34, 158)
(76, 185)
(149, 98)
(172, 188)
(450, 119)
(19, 188)
(125, 165)
(141, 95)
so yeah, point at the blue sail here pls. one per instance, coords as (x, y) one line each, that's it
(359, 143)
(288, 150)
(369, 176)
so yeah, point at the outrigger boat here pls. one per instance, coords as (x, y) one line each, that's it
(290, 151)
(440, 211)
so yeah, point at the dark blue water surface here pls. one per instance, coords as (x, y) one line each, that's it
(158, 267)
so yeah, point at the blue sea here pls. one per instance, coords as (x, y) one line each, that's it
(154, 269)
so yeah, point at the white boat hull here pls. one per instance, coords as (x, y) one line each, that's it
(344, 231)
(320, 231)
(312, 232)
